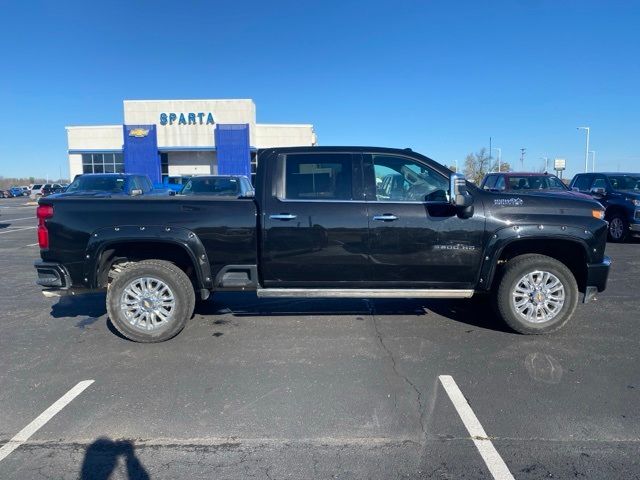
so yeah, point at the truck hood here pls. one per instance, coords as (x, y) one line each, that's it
(562, 194)
(539, 207)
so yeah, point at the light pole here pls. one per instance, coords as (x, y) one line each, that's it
(586, 149)
(546, 163)
(499, 157)
(593, 160)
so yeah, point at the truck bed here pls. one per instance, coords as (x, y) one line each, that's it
(225, 226)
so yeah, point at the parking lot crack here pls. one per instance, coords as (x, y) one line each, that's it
(394, 366)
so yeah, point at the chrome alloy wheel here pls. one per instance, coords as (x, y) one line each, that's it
(616, 228)
(148, 304)
(538, 296)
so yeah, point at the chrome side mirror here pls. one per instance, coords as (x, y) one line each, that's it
(136, 192)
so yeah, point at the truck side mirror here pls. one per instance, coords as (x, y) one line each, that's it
(460, 196)
(598, 191)
(135, 192)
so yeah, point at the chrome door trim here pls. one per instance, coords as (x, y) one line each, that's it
(364, 293)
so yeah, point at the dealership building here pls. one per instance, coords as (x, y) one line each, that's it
(163, 138)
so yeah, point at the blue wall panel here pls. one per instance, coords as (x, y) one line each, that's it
(232, 149)
(141, 151)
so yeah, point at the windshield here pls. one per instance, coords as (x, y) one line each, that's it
(111, 184)
(223, 186)
(536, 182)
(625, 182)
(37, 186)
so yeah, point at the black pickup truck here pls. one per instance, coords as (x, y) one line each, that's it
(328, 222)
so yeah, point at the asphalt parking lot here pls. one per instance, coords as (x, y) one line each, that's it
(279, 389)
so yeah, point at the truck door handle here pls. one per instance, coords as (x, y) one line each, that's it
(387, 217)
(282, 216)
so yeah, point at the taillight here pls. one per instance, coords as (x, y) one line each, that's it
(43, 212)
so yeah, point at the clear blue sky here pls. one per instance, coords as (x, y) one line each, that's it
(437, 76)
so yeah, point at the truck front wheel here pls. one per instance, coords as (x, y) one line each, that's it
(150, 301)
(537, 294)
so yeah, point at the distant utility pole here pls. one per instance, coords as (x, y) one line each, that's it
(593, 160)
(523, 152)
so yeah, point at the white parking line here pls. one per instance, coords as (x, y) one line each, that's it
(24, 434)
(32, 244)
(16, 219)
(17, 230)
(489, 454)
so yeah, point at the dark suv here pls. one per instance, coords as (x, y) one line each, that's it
(619, 193)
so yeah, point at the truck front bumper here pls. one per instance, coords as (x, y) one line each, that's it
(597, 275)
(52, 275)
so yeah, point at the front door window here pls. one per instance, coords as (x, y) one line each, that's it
(400, 179)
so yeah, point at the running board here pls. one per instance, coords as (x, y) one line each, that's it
(363, 293)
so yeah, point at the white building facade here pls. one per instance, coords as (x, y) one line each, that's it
(163, 138)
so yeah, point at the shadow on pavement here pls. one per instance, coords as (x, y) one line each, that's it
(101, 459)
(476, 312)
(87, 305)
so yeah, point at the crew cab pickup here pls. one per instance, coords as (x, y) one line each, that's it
(355, 222)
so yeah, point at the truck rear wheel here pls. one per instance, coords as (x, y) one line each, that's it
(537, 294)
(150, 301)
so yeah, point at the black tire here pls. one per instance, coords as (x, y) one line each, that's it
(514, 271)
(618, 228)
(179, 286)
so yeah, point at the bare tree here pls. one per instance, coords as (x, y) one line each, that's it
(476, 165)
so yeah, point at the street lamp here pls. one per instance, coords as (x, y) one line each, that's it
(593, 160)
(586, 150)
(499, 157)
(546, 163)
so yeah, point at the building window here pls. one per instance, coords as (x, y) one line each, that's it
(102, 163)
(164, 165)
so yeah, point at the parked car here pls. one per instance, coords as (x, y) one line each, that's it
(174, 182)
(5, 194)
(16, 192)
(51, 189)
(527, 182)
(42, 190)
(35, 190)
(444, 238)
(219, 185)
(112, 184)
(619, 193)
(26, 190)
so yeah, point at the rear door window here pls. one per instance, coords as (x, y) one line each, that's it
(319, 176)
